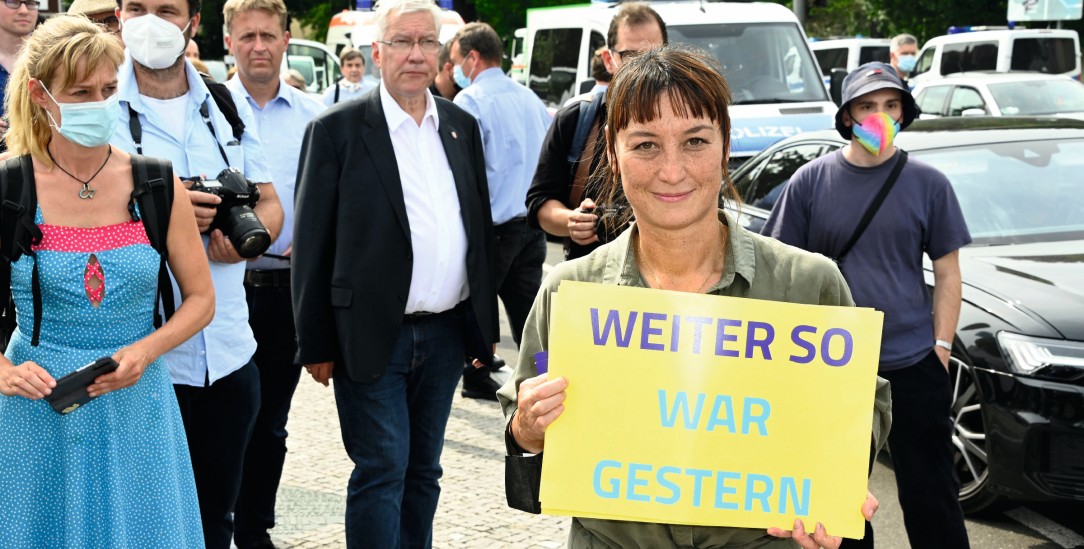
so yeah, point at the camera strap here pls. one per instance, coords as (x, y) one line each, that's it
(136, 129)
(206, 114)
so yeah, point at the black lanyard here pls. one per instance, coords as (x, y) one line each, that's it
(137, 130)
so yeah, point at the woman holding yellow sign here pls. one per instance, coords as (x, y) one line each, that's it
(668, 140)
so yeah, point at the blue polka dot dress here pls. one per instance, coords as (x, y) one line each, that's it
(115, 472)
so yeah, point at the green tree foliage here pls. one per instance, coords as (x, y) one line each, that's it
(315, 15)
(209, 38)
(505, 16)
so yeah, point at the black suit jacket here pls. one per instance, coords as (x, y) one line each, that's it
(352, 256)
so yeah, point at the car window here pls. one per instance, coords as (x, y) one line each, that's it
(924, 62)
(1020, 191)
(1043, 54)
(869, 54)
(969, 56)
(763, 62)
(554, 58)
(1038, 97)
(772, 178)
(831, 58)
(596, 41)
(964, 98)
(931, 100)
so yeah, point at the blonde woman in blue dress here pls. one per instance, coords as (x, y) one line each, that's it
(116, 471)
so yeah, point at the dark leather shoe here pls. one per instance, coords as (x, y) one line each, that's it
(255, 541)
(479, 387)
(498, 363)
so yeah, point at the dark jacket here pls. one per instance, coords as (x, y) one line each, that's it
(352, 255)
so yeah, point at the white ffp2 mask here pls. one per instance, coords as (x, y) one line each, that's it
(152, 41)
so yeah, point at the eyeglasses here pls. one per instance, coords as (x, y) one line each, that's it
(31, 5)
(110, 22)
(402, 45)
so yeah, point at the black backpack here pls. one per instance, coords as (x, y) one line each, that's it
(153, 178)
(224, 99)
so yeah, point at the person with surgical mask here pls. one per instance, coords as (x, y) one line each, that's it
(167, 111)
(114, 471)
(903, 53)
(819, 211)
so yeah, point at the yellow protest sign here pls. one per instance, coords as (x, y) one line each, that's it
(695, 409)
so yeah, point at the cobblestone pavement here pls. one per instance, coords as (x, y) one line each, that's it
(472, 510)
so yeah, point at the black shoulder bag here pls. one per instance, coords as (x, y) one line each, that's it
(873, 207)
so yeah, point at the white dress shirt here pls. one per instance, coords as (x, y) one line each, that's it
(438, 279)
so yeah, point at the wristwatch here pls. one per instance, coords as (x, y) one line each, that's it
(943, 344)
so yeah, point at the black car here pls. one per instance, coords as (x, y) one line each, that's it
(1018, 353)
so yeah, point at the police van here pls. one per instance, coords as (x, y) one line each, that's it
(1050, 51)
(848, 53)
(761, 47)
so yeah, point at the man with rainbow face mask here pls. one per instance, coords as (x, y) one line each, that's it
(820, 210)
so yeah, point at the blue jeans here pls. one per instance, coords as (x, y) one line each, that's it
(393, 431)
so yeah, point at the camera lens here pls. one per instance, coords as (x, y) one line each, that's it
(252, 244)
(245, 231)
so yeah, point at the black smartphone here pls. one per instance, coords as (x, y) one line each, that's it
(71, 390)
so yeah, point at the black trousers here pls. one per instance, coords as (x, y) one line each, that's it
(518, 255)
(272, 319)
(218, 421)
(920, 445)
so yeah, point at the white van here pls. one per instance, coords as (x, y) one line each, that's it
(1051, 51)
(761, 47)
(848, 53)
(316, 62)
(357, 28)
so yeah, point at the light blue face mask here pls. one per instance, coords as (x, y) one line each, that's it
(87, 124)
(461, 79)
(907, 62)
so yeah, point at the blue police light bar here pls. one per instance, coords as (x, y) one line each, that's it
(445, 4)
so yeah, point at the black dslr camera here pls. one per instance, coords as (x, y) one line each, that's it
(610, 220)
(235, 216)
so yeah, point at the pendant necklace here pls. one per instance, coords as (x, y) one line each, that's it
(86, 192)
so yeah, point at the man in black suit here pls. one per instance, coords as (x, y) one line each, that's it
(391, 274)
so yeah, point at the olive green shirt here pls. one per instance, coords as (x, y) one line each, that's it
(755, 267)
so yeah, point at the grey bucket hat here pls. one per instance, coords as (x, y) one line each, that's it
(870, 78)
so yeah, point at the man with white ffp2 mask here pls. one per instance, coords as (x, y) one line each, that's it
(168, 111)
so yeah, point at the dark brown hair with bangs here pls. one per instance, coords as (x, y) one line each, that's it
(691, 79)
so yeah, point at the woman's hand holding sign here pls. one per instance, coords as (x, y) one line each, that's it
(540, 402)
(819, 537)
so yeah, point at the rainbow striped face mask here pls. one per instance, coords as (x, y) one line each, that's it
(876, 132)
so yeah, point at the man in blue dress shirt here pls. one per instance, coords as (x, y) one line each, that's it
(167, 111)
(258, 39)
(514, 122)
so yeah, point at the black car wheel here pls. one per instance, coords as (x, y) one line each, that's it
(969, 439)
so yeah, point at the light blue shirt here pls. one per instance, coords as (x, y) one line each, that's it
(281, 126)
(514, 122)
(348, 90)
(227, 343)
